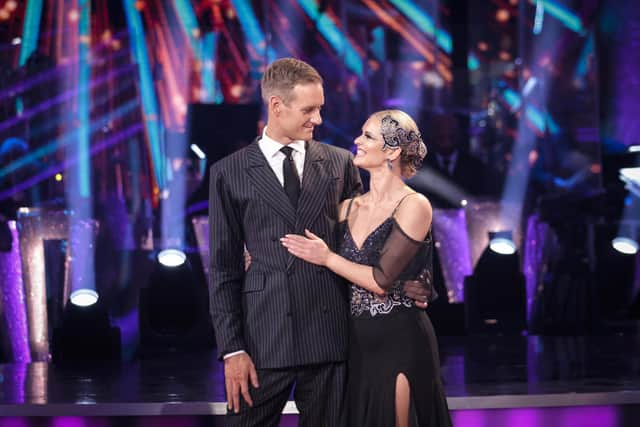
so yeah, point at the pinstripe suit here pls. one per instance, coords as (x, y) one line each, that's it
(284, 312)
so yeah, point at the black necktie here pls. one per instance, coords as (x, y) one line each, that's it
(291, 178)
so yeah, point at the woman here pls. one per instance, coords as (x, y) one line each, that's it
(394, 376)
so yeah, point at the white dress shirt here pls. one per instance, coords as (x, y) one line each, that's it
(271, 150)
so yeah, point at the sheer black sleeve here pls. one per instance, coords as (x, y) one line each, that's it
(397, 253)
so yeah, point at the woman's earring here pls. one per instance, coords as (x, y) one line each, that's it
(389, 164)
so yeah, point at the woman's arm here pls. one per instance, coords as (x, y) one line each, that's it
(314, 250)
(414, 220)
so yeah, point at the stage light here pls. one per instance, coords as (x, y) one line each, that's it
(501, 242)
(73, 15)
(634, 149)
(502, 15)
(463, 202)
(171, 257)
(625, 245)
(631, 178)
(539, 18)
(84, 297)
(198, 151)
(495, 294)
(16, 41)
(173, 311)
(85, 334)
(529, 85)
(504, 55)
(58, 177)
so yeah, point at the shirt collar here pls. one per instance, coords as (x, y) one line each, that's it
(271, 147)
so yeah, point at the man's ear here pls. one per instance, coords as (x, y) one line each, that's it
(275, 104)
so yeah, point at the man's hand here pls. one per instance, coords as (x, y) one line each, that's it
(247, 259)
(417, 292)
(238, 370)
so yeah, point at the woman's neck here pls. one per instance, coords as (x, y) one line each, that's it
(384, 186)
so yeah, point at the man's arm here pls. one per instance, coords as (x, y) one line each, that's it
(226, 260)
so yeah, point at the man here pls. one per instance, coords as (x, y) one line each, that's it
(453, 164)
(283, 321)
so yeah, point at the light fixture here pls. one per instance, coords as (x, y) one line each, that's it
(501, 242)
(173, 312)
(625, 245)
(84, 297)
(171, 257)
(84, 334)
(198, 151)
(495, 294)
(631, 178)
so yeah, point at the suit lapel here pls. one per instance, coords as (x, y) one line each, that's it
(314, 184)
(267, 184)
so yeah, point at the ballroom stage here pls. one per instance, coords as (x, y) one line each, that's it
(490, 381)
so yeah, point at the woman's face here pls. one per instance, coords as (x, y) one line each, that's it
(369, 144)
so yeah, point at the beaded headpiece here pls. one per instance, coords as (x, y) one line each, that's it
(395, 136)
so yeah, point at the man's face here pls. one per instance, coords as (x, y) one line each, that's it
(301, 114)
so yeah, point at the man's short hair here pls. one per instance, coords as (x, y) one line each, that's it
(282, 75)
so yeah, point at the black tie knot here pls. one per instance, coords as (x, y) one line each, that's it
(287, 152)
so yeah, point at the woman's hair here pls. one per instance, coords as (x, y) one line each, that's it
(399, 130)
(282, 75)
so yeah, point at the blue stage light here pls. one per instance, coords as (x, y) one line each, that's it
(625, 245)
(501, 242)
(84, 297)
(171, 257)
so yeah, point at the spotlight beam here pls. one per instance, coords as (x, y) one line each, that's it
(147, 90)
(426, 179)
(54, 169)
(65, 139)
(336, 38)
(63, 97)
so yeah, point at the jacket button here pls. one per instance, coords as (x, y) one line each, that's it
(288, 314)
(274, 238)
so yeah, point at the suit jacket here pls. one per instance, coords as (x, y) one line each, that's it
(283, 311)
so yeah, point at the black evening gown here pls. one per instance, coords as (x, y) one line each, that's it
(389, 336)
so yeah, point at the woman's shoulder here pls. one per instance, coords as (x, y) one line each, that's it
(413, 215)
(414, 203)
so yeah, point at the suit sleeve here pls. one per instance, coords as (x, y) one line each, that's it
(352, 182)
(226, 243)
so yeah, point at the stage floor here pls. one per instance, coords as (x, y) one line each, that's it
(480, 373)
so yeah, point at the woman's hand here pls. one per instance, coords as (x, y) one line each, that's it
(310, 248)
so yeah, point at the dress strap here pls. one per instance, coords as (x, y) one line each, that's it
(400, 202)
(346, 216)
